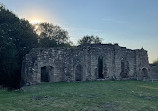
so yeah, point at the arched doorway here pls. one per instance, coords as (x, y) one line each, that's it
(46, 73)
(124, 69)
(100, 67)
(144, 72)
(78, 73)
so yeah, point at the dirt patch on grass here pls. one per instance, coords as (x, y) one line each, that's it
(109, 106)
(150, 97)
(39, 97)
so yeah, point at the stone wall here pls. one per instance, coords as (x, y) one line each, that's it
(154, 71)
(88, 62)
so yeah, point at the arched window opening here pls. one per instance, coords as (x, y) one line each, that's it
(100, 67)
(78, 72)
(144, 72)
(124, 69)
(46, 73)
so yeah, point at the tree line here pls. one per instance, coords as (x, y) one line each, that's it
(18, 37)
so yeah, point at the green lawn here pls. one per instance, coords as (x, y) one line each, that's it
(83, 96)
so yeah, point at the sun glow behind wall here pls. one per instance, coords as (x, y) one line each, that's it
(34, 11)
(37, 15)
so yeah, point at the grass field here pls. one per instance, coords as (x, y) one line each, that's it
(83, 96)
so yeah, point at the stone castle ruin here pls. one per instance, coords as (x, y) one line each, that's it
(87, 62)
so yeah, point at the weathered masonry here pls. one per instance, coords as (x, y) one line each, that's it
(89, 62)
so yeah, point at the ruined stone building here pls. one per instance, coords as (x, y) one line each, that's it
(88, 62)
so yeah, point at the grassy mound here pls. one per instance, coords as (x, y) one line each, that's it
(83, 96)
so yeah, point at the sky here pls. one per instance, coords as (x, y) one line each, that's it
(130, 23)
